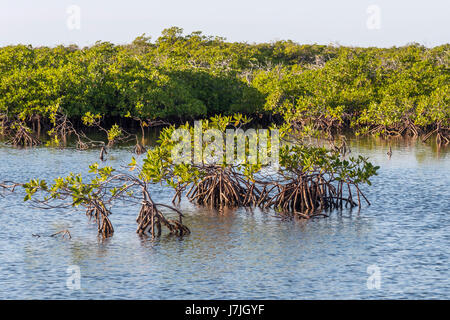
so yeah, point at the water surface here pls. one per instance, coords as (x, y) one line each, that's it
(240, 254)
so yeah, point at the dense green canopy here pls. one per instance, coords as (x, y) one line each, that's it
(193, 76)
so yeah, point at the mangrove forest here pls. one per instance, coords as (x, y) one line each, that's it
(310, 94)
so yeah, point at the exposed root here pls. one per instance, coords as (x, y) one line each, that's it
(442, 135)
(441, 139)
(22, 136)
(308, 195)
(343, 148)
(223, 187)
(150, 220)
(102, 153)
(98, 211)
(408, 128)
(321, 122)
(139, 148)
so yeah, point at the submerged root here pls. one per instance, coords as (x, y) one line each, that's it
(63, 233)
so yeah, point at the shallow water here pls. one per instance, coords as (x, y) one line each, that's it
(240, 254)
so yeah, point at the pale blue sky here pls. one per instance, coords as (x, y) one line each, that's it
(43, 22)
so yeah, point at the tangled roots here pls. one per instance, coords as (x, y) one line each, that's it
(100, 214)
(150, 220)
(22, 137)
(223, 188)
(307, 195)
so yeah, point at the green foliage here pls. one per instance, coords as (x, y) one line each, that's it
(294, 159)
(304, 168)
(114, 132)
(303, 159)
(90, 119)
(195, 76)
(363, 87)
(159, 165)
(72, 187)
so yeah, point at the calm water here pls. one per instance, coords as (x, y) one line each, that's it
(240, 254)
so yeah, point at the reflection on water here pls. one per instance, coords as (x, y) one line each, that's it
(238, 254)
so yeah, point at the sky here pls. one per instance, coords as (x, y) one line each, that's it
(381, 23)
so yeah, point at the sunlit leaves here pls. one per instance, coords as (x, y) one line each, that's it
(72, 186)
(300, 158)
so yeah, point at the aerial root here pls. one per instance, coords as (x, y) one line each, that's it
(139, 148)
(223, 188)
(23, 137)
(150, 220)
(309, 195)
(100, 214)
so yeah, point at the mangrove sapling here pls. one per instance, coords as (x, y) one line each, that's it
(99, 195)
(316, 179)
(207, 182)
(309, 179)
